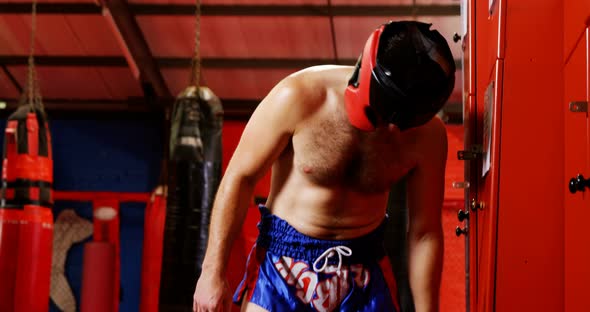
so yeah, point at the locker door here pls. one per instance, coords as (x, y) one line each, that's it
(470, 167)
(481, 103)
(577, 203)
(485, 204)
(490, 68)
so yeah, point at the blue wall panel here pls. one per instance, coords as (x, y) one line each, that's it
(107, 155)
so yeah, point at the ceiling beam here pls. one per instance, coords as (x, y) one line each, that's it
(241, 10)
(86, 105)
(256, 63)
(301, 10)
(137, 53)
(51, 8)
(65, 61)
(177, 62)
(12, 79)
(234, 109)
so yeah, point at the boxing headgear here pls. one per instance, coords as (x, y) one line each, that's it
(373, 95)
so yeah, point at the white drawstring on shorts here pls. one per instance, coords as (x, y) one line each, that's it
(340, 250)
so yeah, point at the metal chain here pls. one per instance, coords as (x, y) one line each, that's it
(196, 61)
(31, 63)
(32, 87)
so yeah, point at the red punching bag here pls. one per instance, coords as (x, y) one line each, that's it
(99, 263)
(34, 260)
(9, 228)
(153, 238)
(26, 221)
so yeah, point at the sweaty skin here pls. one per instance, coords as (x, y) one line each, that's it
(329, 180)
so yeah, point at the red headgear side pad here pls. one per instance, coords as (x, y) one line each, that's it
(356, 96)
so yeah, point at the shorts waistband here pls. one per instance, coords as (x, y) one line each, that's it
(280, 238)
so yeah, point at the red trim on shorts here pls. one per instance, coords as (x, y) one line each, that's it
(385, 266)
(252, 268)
(259, 257)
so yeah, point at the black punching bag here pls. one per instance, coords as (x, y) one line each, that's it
(194, 176)
(396, 243)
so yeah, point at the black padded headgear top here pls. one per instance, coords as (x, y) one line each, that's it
(376, 92)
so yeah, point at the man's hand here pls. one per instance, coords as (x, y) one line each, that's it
(212, 294)
(282, 110)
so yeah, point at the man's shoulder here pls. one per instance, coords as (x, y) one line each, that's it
(320, 77)
(306, 91)
(431, 139)
(308, 87)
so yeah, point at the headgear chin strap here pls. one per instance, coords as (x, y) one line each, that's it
(372, 95)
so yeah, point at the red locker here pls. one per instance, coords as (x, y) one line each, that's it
(576, 19)
(577, 214)
(516, 224)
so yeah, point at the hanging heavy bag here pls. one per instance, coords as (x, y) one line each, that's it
(27, 174)
(396, 242)
(26, 221)
(151, 263)
(194, 176)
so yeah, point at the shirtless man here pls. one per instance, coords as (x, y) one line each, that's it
(336, 138)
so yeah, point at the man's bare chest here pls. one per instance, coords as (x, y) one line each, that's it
(333, 154)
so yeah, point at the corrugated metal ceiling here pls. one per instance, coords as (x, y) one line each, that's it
(247, 46)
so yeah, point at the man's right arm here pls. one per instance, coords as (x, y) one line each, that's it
(265, 137)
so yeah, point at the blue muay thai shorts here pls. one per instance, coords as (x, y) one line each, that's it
(289, 271)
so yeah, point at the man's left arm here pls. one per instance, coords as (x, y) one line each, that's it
(425, 194)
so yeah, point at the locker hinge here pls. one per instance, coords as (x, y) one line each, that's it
(460, 184)
(579, 107)
(473, 153)
(475, 205)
